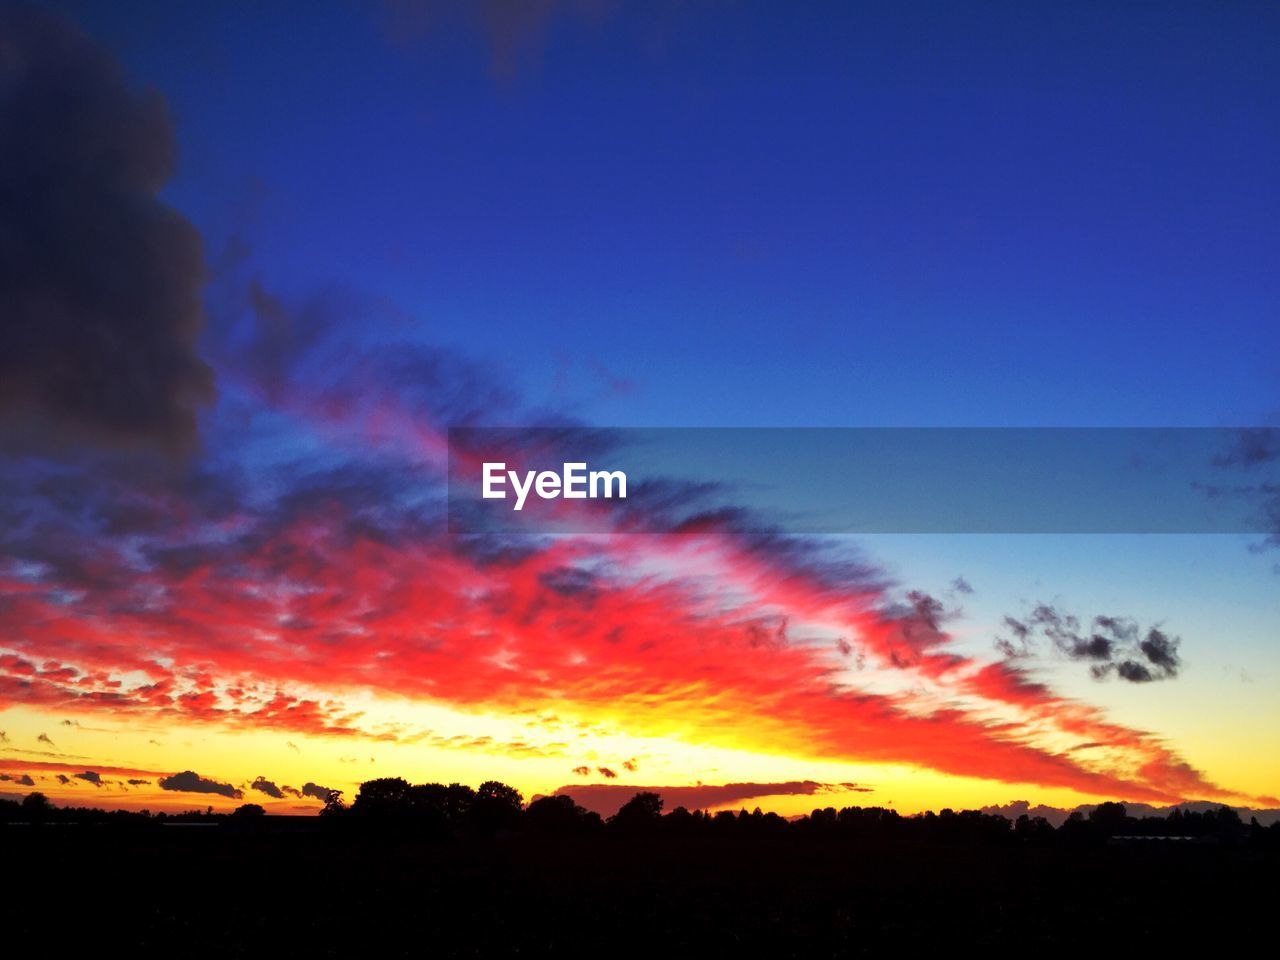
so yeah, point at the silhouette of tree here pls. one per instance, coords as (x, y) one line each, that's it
(36, 807)
(680, 822)
(642, 812)
(248, 811)
(1111, 819)
(1033, 829)
(496, 807)
(383, 797)
(559, 815)
(333, 805)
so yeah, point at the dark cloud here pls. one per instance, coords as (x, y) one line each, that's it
(44, 738)
(1113, 646)
(262, 785)
(582, 771)
(606, 798)
(606, 773)
(1251, 447)
(1160, 650)
(1129, 670)
(100, 282)
(138, 783)
(961, 585)
(917, 626)
(1250, 451)
(90, 776)
(191, 782)
(570, 582)
(310, 789)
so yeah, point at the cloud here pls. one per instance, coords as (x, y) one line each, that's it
(101, 281)
(607, 798)
(263, 785)
(90, 776)
(1113, 646)
(44, 738)
(1161, 650)
(670, 645)
(310, 789)
(1251, 448)
(190, 782)
(606, 772)
(25, 779)
(54, 765)
(1249, 452)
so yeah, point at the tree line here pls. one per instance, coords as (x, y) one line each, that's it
(495, 808)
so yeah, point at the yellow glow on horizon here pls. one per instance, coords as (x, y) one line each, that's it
(537, 753)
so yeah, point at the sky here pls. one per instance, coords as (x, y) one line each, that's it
(262, 260)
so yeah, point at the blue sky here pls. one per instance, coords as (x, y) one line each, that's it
(932, 214)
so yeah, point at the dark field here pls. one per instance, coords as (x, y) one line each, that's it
(294, 889)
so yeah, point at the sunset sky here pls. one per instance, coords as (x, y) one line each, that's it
(255, 263)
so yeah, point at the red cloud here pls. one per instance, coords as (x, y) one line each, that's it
(235, 615)
(318, 605)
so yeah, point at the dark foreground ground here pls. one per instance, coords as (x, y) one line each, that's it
(214, 891)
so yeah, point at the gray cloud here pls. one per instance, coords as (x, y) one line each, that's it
(1113, 646)
(310, 789)
(191, 782)
(100, 281)
(263, 785)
